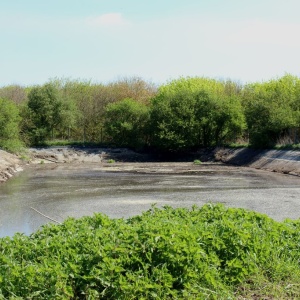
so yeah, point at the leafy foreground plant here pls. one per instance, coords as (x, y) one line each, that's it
(203, 253)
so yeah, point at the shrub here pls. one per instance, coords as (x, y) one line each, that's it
(126, 122)
(194, 112)
(199, 253)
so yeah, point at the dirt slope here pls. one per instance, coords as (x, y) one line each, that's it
(9, 164)
(282, 161)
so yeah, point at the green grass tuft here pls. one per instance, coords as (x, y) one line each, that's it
(197, 162)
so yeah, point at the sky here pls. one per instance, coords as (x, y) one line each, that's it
(157, 40)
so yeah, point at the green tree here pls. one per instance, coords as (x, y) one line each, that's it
(220, 118)
(45, 110)
(271, 108)
(89, 113)
(9, 126)
(174, 122)
(70, 113)
(126, 123)
(193, 112)
(88, 102)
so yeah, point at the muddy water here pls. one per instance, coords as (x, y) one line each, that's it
(60, 191)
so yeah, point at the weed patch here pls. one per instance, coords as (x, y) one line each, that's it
(200, 253)
(197, 162)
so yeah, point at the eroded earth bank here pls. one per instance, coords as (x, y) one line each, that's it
(9, 165)
(283, 161)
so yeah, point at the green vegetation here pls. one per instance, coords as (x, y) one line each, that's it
(272, 110)
(202, 253)
(181, 115)
(197, 162)
(287, 147)
(9, 126)
(126, 122)
(44, 112)
(111, 161)
(194, 112)
(60, 142)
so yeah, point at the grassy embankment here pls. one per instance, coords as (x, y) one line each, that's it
(203, 253)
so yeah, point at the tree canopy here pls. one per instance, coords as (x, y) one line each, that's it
(194, 112)
(182, 114)
(126, 123)
(271, 108)
(9, 126)
(44, 110)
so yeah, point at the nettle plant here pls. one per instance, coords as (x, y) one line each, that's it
(199, 253)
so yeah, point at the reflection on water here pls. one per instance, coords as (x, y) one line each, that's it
(60, 191)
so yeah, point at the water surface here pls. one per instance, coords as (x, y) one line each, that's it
(61, 191)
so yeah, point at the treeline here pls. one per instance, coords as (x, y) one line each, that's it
(64, 109)
(180, 115)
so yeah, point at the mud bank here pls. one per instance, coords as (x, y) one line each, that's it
(85, 155)
(9, 165)
(282, 161)
(116, 160)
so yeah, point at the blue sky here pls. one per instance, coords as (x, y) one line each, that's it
(158, 40)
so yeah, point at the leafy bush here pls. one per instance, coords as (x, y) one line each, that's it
(126, 122)
(193, 112)
(271, 109)
(203, 253)
(9, 126)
